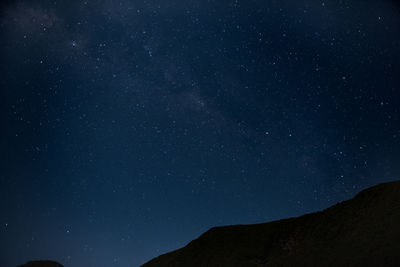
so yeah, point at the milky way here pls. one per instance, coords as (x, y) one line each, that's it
(128, 128)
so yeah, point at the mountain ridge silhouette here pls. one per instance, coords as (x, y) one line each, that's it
(362, 231)
(42, 263)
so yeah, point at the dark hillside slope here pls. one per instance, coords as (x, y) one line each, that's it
(363, 231)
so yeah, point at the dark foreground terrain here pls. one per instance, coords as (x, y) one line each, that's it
(363, 231)
(41, 264)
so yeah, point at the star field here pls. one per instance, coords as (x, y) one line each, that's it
(131, 127)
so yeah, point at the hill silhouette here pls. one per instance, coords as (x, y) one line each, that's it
(41, 264)
(363, 231)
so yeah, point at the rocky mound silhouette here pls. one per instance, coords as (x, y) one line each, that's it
(363, 231)
(41, 264)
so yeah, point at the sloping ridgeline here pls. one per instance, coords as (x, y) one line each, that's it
(363, 231)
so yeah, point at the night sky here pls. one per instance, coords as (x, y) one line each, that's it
(130, 127)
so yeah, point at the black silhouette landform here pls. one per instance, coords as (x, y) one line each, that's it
(41, 264)
(363, 231)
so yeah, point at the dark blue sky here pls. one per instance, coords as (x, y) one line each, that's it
(128, 128)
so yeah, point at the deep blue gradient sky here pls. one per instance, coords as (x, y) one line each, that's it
(130, 127)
